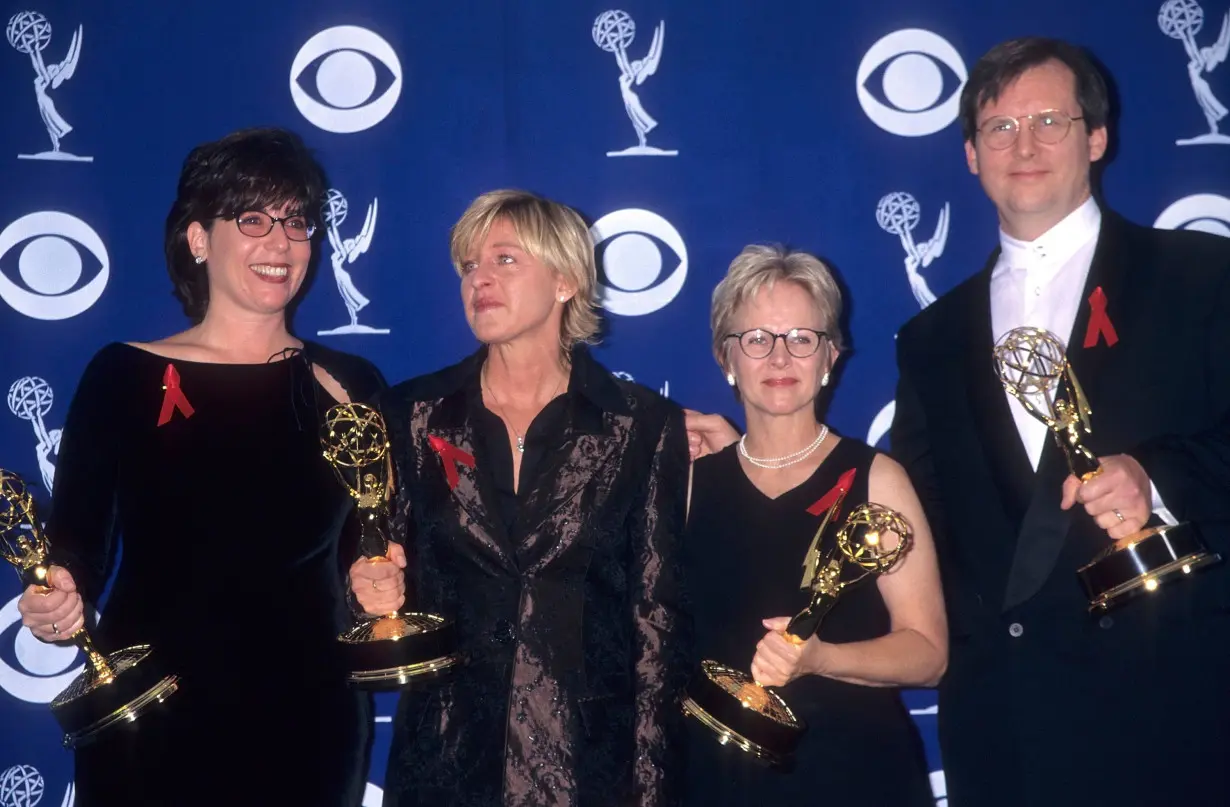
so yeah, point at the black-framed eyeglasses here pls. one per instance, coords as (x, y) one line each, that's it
(1049, 126)
(256, 224)
(759, 343)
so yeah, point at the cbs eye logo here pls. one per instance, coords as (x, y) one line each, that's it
(32, 671)
(903, 79)
(1206, 212)
(630, 261)
(355, 75)
(50, 266)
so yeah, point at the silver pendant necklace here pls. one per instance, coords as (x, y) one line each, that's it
(500, 410)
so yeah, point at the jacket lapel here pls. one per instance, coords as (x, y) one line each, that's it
(1002, 447)
(473, 489)
(1045, 527)
(578, 462)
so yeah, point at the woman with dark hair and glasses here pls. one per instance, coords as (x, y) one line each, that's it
(754, 509)
(194, 462)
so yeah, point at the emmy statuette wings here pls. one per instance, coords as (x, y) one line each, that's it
(1032, 365)
(755, 719)
(388, 651)
(114, 689)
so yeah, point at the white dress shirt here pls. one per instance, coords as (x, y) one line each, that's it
(1039, 284)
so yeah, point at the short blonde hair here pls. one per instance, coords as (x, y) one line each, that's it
(760, 266)
(550, 232)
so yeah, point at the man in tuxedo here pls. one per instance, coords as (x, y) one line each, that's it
(1044, 701)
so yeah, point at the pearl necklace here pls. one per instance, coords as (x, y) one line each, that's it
(775, 463)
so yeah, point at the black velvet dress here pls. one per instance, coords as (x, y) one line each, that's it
(745, 564)
(223, 529)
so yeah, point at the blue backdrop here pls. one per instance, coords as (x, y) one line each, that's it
(684, 130)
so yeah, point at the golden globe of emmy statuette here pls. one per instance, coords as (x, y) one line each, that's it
(114, 689)
(391, 650)
(755, 719)
(1033, 367)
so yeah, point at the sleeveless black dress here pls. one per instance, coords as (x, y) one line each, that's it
(745, 563)
(224, 530)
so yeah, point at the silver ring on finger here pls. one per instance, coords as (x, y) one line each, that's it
(55, 629)
(1119, 516)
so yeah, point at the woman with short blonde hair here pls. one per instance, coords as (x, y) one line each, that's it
(542, 500)
(552, 234)
(755, 508)
(758, 266)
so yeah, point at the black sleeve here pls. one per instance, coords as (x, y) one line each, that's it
(1192, 471)
(663, 627)
(361, 379)
(910, 442)
(82, 526)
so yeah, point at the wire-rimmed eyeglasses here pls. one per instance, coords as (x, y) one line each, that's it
(759, 343)
(1049, 126)
(255, 224)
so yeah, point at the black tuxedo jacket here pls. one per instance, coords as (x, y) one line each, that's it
(574, 633)
(1044, 703)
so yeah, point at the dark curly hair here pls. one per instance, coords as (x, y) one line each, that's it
(252, 169)
(1008, 61)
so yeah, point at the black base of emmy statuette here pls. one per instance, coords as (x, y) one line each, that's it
(744, 714)
(91, 705)
(1141, 563)
(388, 652)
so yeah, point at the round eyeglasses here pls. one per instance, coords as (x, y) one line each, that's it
(759, 343)
(256, 224)
(1048, 126)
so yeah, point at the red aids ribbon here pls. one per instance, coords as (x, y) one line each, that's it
(840, 489)
(1099, 322)
(450, 455)
(173, 398)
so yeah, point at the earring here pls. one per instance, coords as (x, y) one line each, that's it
(824, 379)
(730, 379)
(200, 259)
(563, 299)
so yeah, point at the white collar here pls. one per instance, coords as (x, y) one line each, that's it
(1055, 246)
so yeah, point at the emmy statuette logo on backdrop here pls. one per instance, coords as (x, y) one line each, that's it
(1204, 212)
(614, 31)
(23, 786)
(630, 281)
(345, 79)
(346, 251)
(912, 70)
(30, 398)
(30, 33)
(1182, 20)
(898, 213)
(51, 267)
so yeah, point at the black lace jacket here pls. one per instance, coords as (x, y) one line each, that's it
(575, 635)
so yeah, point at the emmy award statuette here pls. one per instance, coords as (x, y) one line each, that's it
(113, 690)
(1033, 367)
(384, 652)
(756, 719)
